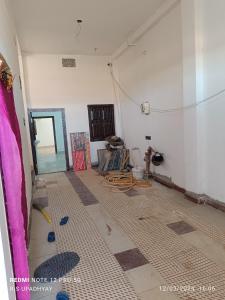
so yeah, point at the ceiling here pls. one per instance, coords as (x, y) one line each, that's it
(49, 26)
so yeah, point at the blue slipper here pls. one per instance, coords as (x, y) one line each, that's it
(51, 237)
(64, 220)
(62, 296)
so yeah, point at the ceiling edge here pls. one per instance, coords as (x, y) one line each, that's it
(160, 13)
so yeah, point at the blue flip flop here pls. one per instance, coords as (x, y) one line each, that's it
(51, 237)
(62, 296)
(64, 220)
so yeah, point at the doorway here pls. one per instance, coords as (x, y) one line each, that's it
(48, 140)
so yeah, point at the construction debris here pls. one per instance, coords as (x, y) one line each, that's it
(110, 160)
(114, 142)
(114, 157)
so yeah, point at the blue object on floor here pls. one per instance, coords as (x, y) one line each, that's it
(51, 237)
(57, 266)
(62, 296)
(64, 220)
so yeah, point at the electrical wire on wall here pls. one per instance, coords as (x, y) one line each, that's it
(169, 110)
(119, 112)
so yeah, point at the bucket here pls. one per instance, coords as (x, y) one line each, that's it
(138, 173)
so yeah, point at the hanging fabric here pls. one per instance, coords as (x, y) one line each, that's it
(14, 189)
(11, 112)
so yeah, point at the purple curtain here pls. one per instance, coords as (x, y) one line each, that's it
(14, 188)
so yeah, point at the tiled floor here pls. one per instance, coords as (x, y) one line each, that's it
(151, 245)
(41, 250)
(48, 161)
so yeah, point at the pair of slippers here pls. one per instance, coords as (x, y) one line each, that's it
(51, 238)
(51, 235)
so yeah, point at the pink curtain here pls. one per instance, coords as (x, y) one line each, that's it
(14, 188)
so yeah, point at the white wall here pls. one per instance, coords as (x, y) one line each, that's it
(177, 62)
(152, 71)
(45, 133)
(51, 86)
(212, 17)
(190, 43)
(203, 60)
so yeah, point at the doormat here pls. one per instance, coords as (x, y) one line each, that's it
(80, 145)
(57, 266)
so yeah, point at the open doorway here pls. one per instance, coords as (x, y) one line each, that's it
(48, 140)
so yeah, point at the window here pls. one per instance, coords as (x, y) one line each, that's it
(101, 121)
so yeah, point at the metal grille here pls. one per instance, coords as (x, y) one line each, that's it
(101, 121)
(69, 62)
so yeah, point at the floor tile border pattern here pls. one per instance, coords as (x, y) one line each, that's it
(84, 193)
(178, 262)
(102, 277)
(88, 198)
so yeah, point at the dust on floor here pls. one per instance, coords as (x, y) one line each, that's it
(152, 244)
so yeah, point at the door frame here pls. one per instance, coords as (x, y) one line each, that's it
(46, 110)
(53, 126)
